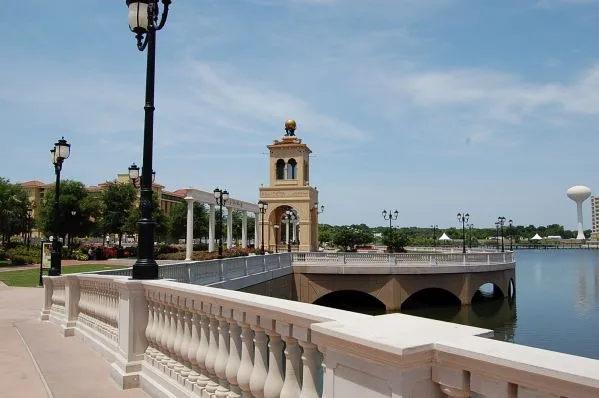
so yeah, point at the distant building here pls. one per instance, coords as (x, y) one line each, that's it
(36, 190)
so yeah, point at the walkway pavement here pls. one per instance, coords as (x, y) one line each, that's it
(36, 361)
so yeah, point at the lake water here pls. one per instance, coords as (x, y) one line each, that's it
(556, 305)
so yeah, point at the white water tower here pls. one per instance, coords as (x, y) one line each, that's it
(579, 194)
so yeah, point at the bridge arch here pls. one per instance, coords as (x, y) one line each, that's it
(431, 297)
(487, 291)
(352, 300)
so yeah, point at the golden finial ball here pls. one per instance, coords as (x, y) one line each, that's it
(290, 124)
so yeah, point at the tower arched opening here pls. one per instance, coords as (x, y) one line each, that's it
(291, 169)
(280, 166)
(352, 300)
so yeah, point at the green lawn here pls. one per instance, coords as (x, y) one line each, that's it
(30, 277)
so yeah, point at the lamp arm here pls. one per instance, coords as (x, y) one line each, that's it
(164, 14)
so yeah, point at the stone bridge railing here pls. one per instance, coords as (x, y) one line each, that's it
(213, 272)
(408, 259)
(178, 340)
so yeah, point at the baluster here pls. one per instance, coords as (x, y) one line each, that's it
(274, 380)
(234, 361)
(158, 355)
(155, 330)
(203, 349)
(184, 349)
(259, 372)
(454, 392)
(291, 385)
(220, 365)
(212, 351)
(247, 358)
(311, 373)
(192, 350)
(148, 353)
(178, 366)
(172, 336)
(164, 337)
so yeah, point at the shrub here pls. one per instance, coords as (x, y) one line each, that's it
(20, 255)
(3, 255)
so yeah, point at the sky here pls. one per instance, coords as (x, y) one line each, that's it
(429, 107)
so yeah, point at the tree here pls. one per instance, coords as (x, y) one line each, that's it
(160, 219)
(178, 221)
(118, 201)
(395, 240)
(13, 210)
(78, 211)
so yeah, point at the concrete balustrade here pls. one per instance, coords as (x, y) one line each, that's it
(180, 340)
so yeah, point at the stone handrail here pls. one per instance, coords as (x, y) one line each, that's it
(180, 339)
(214, 271)
(411, 259)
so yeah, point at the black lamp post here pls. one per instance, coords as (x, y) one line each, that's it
(434, 227)
(510, 222)
(497, 234)
(463, 218)
(29, 219)
(501, 221)
(289, 216)
(221, 198)
(390, 216)
(263, 206)
(276, 226)
(143, 21)
(61, 151)
(470, 226)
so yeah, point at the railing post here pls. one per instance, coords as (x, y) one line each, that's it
(48, 291)
(71, 305)
(132, 323)
(488, 259)
(221, 270)
(245, 266)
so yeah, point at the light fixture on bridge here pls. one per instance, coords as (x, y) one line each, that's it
(221, 197)
(463, 218)
(263, 206)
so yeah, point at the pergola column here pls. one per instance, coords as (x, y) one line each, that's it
(229, 228)
(189, 235)
(211, 222)
(244, 229)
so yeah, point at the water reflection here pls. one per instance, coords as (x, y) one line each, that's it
(582, 305)
(498, 315)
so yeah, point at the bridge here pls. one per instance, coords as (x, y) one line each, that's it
(175, 339)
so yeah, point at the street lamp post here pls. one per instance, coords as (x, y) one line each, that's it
(61, 151)
(221, 197)
(29, 218)
(289, 216)
(143, 21)
(391, 216)
(510, 222)
(497, 235)
(276, 227)
(501, 221)
(434, 227)
(470, 226)
(263, 206)
(463, 218)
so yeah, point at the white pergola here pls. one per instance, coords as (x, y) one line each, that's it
(195, 195)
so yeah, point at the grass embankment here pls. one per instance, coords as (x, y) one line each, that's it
(30, 277)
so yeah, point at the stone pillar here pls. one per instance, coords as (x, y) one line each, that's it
(133, 320)
(189, 236)
(294, 226)
(71, 305)
(211, 222)
(48, 290)
(229, 228)
(244, 229)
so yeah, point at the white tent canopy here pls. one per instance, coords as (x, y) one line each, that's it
(536, 237)
(444, 237)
